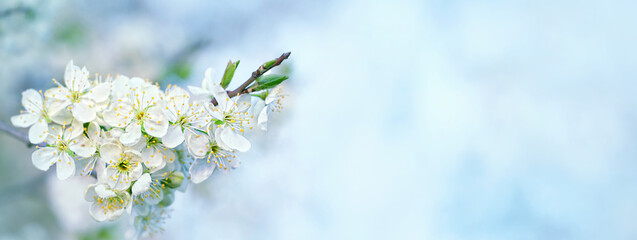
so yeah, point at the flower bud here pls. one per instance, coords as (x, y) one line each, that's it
(174, 180)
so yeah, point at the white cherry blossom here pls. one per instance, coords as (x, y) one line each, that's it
(96, 137)
(154, 153)
(37, 115)
(124, 165)
(208, 156)
(63, 143)
(138, 109)
(229, 118)
(272, 103)
(186, 116)
(108, 204)
(206, 91)
(77, 94)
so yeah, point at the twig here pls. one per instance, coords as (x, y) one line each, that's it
(18, 135)
(256, 74)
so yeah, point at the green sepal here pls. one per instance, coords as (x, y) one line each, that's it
(69, 152)
(261, 95)
(85, 129)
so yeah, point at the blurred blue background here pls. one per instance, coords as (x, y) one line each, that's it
(405, 120)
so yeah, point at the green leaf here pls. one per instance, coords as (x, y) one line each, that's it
(227, 76)
(106, 232)
(268, 81)
(72, 34)
(182, 70)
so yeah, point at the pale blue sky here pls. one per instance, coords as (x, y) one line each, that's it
(413, 119)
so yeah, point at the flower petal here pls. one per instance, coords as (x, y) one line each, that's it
(120, 116)
(82, 112)
(173, 137)
(243, 102)
(43, 158)
(32, 101)
(55, 133)
(75, 78)
(201, 170)
(58, 105)
(142, 184)
(156, 124)
(262, 120)
(89, 193)
(132, 135)
(219, 141)
(82, 146)
(234, 140)
(120, 87)
(112, 215)
(221, 96)
(110, 152)
(138, 169)
(76, 129)
(216, 112)
(274, 94)
(199, 93)
(57, 93)
(62, 117)
(100, 92)
(97, 212)
(235, 162)
(153, 169)
(103, 191)
(198, 144)
(143, 210)
(152, 157)
(178, 102)
(116, 180)
(38, 132)
(93, 131)
(66, 167)
(86, 165)
(207, 81)
(169, 155)
(25, 120)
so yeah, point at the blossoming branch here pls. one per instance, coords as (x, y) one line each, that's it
(141, 143)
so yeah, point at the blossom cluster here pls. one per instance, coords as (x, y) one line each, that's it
(139, 142)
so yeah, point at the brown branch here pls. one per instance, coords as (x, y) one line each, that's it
(243, 88)
(18, 135)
